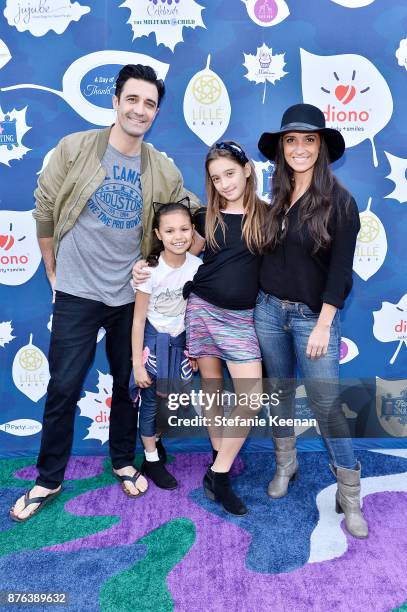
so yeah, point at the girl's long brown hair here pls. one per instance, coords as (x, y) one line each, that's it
(254, 208)
(316, 204)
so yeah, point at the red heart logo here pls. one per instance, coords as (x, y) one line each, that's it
(108, 402)
(345, 93)
(6, 242)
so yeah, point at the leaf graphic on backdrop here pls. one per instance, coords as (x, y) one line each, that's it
(353, 3)
(166, 20)
(12, 130)
(41, 19)
(267, 12)
(96, 406)
(31, 371)
(352, 93)
(371, 244)
(5, 55)
(206, 105)
(390, 324)
(46, 160)
(6, 332)
(348, 350)
(401, 53)
(264, 173)
(398, 167)
(264, 66)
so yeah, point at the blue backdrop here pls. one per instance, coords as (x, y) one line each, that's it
(231, 68)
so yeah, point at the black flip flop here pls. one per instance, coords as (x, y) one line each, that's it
(34, 500)
(132, 479)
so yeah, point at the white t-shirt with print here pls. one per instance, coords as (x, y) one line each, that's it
(166, 308)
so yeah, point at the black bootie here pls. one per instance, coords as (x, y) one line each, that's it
(217, 487)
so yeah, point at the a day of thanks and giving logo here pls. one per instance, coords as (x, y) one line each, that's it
(31, 371)
(20, 255)
(354, 96)
(371, 244)
(41, 16)
(88, 84)
(207, 107)
(164, 18)
(391, 406)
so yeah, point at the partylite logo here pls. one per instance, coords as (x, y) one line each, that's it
(96, 406)
(371, 244)
(20, 255)
(354, 96)
(21, 427)
(12, 129)
(391, 406)
(41, 16)
(164, 18)
(88, 96)
(390, 324)
(264, 66)
(264, 173)
(206, 105)
(31, 371)
(267, 12)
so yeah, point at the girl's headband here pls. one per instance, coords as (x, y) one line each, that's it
(234, 149)
(184, 202)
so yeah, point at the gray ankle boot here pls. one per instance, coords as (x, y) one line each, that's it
(287, 466)
(348, 500)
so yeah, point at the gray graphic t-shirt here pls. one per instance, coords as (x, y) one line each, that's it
(96, 256)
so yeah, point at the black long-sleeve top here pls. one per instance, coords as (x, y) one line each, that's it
(292, 272)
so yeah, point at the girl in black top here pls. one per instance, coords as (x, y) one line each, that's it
(305, 278)
(221, 300)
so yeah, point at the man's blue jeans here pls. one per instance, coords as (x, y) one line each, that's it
(283, 329)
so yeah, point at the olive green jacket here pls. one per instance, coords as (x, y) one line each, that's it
(74, 173)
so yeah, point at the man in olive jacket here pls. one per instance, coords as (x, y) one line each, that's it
(94, 214)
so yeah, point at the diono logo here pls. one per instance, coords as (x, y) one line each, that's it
(20, 255)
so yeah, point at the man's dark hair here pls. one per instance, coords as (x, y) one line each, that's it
(138, 71)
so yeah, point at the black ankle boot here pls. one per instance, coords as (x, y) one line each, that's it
(217, 487)
(214, 455)
(162, 453)
(158, 473)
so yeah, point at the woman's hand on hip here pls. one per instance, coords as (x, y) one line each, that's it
(318, 341)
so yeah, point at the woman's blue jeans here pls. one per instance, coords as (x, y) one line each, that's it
(283, 329)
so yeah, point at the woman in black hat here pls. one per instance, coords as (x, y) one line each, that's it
(305, 278)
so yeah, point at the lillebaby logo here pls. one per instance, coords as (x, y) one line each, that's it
(164, 18)
(354, 96)
(88, 83)
(96, 406)
(12, 129)
(31, 371)
(21, 427)
(390, 324)
(267, 13)
(391, 406)
(371, 244)
(207, 105)
(20, 255)
(41, 16)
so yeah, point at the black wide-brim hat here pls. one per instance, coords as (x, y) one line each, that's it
(303, 118)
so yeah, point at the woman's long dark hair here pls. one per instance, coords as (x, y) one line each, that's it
(157, 245)
(316, 204)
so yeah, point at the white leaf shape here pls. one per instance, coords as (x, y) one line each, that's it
(13, 127)
(21, 427)
(5, 55)
(264, 172)
(20, 254)
(6, 331)
(398, 167)
(267, 13)
(78, 92)
(31, 371)
(264, 66)
(390, 324)
(348, 350)
(207, 106)
(39, 18)
(354, 96)
(46, 160)
(371, 244)
(96, 406)
(353, 3)
(165, 19)
(401, 53)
